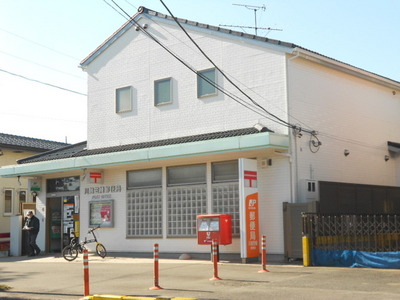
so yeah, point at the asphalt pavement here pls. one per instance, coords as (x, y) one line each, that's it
(51, 277)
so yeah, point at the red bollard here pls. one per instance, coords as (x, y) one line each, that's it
(263, 254)
(86, 272)
(156, 286)
(215, 260)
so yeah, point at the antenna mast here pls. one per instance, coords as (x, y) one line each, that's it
(255, 9)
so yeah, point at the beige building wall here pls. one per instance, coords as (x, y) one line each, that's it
(18, 189)
(348, 113)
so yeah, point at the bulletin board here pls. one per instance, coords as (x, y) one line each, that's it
(101, 213)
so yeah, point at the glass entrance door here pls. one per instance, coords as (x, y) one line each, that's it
(54, 225)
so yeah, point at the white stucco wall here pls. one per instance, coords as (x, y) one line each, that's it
(348, 113)
(135, 60)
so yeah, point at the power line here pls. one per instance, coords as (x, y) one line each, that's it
(223, 74)
(227, 93)
(41, 82)
(232, 96)
(314, 141)
(41, 45)
(43, 66)
(244, 85)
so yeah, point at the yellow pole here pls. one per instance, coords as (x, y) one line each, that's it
(306, 251)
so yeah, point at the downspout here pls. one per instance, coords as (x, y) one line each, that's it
(292, 141)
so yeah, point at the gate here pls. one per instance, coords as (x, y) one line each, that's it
(371, 233)
(335, 234)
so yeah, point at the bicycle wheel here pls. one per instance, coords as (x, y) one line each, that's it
(69, 253)
(101, 250)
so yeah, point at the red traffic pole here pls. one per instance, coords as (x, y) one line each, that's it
(263, 255)
(156, 286)
(86, 272)
(215, 259)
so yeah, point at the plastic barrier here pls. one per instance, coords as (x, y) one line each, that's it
(306, 251)
(156, 273)
(263, 255)
(215, 259)
(86, 272)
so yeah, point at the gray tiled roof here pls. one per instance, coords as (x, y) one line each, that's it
(144, 10)
(80, 149)
(22, 143)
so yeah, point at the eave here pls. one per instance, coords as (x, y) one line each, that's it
(264, 140)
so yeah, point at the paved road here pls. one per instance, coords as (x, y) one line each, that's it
(48, 277)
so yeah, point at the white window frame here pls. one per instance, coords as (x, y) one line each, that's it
(158, 102)
(8, 213)
(126, 107)
(200, 80)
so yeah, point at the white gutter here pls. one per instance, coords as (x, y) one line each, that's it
(346, 68)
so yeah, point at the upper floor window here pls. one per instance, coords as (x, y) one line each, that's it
(123, 99)
(162, 91)
(206, 81)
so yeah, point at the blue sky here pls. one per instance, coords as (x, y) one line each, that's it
(45, 40)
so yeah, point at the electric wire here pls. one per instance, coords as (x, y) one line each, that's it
(313, 134)
(237, 80)
(41, 45)
(223, 74)
(232, 96)
(42, 82)
(40, 65)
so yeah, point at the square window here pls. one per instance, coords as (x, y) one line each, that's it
(162, 91)
(205, 83)
(123, 99)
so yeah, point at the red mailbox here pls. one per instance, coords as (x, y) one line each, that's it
(210, 227)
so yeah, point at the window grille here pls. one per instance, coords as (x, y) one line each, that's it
(183, 205)
(144, 212)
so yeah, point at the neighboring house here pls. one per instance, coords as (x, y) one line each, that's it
(14, 191)
(165, 145)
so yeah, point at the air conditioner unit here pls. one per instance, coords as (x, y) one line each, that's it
(266, 162)
(308, 190)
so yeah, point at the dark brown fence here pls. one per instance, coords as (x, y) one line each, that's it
(371, 233)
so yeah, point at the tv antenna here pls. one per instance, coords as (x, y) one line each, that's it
(255, 9)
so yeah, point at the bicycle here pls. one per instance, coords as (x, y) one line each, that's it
(70, 252)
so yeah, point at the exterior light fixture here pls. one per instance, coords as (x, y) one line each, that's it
(386, 157)
(346, 152)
